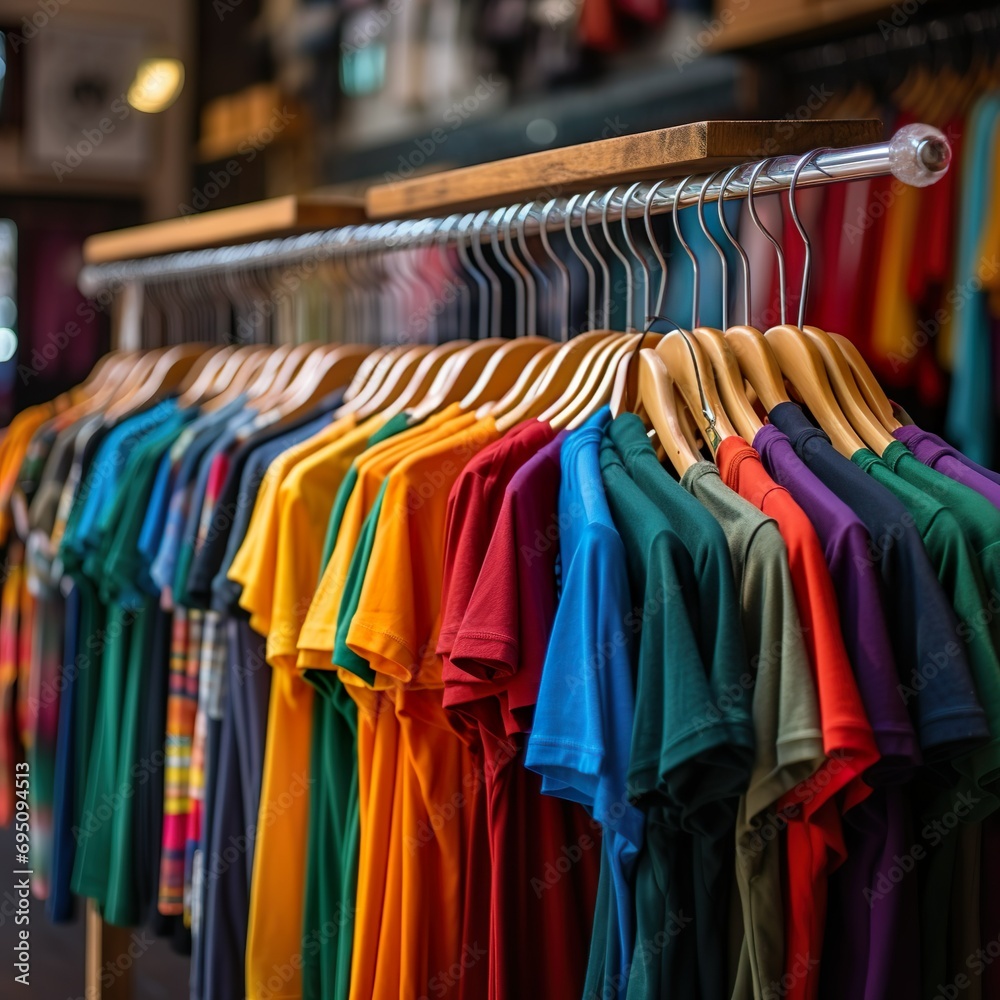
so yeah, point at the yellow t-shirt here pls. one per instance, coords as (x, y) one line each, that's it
(305, 498)
(253, 566)
(319, 629)
(274, 933)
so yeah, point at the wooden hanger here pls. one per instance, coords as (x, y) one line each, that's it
(596, 389)
(504, 369)
(596, 357)
(334, 369)
(365, 372)
(294, 362)
(758, 365)
(268, 371)
(729, 381)
(627, 375)
(201, 378)
(459, 377)
(690, 370)
(852, 403)
(801, 364)
(526, 384)
(423, 378)
(374, 380)
(167, 372)
(656, 402)
(396, 381)
(604, 390)
(562, 377)
(248, 362)
(878, 401)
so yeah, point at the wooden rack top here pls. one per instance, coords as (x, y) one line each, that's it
(665, 152)
(225, 226)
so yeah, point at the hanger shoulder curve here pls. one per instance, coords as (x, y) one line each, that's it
(758, 365)
(656, 399)
(802, 365)
(852, 402)
(729, 381)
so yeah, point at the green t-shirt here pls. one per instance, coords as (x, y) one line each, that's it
(103, 865)
(949, 534)
(789, 741)
(692, 746)
(945, 519)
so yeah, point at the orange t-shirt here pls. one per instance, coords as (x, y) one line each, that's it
(394, 629)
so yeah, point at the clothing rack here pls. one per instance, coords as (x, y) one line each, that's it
(917, 155)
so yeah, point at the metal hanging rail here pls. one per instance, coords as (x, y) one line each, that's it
(917, 155)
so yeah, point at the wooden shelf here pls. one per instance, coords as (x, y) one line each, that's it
(226, 226)
(778, 22)
(666, 152)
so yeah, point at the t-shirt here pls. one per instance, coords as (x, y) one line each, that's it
(846, 550)
(863, 940)
(334, 820)
(692, 737)
(394, 629)
(280, 853)
(814, 841)
(522, 924)
(211, 553)
(958, 568)
(583, 719)
(938, 454)
(788, 738)
(225, 592)
(935, 679)
(351, 534)
(475, 498)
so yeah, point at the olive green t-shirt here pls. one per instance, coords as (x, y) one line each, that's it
(789, 741)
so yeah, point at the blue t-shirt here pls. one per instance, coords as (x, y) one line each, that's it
(582, 730)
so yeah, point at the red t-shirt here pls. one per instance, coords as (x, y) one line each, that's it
(500, 599)
(815, 843)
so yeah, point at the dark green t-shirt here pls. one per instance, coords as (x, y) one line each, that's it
(953, 555)
(692, 747)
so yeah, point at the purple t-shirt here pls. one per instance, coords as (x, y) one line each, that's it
(865, 923)
(846, 543)
(938, 454)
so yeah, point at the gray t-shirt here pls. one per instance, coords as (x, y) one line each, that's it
(788, 738)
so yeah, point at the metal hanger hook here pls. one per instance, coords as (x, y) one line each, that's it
(744, 260)
(584, 259)
(605, 209)
(715, 243)
(647, 212)
(602, 261)
(560, 264)
(687, 248)
(794, 209)
(630, 242)
(782, 288)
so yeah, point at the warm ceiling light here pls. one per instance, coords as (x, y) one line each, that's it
(157, 84)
